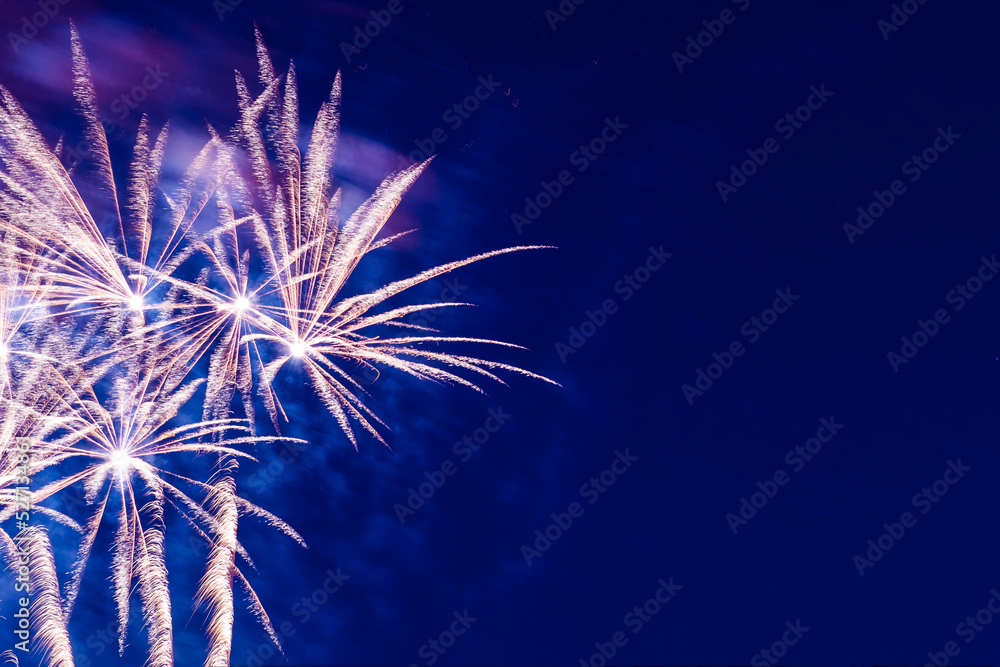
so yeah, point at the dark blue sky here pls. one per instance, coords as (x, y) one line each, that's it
(775, 238)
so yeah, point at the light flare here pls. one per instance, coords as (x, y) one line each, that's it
(121, 462)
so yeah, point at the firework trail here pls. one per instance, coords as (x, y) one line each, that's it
(49, 623)
(25, 409)
(48, 225)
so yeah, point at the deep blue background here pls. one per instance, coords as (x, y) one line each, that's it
(665, 517)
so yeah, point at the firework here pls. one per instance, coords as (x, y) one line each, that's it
(104, 341)
(294, 216)
(49, 227)
(26, 409)
(118, 441)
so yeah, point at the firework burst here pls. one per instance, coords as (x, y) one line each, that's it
(104, 338)
(293, 210)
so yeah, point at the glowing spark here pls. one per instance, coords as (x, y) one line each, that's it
(241, 304)
(135, 302)
(297, 349)
(121, 462)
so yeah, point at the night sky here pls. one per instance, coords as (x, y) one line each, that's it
(770, 308)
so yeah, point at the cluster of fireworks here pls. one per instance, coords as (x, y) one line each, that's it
(106, 333)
